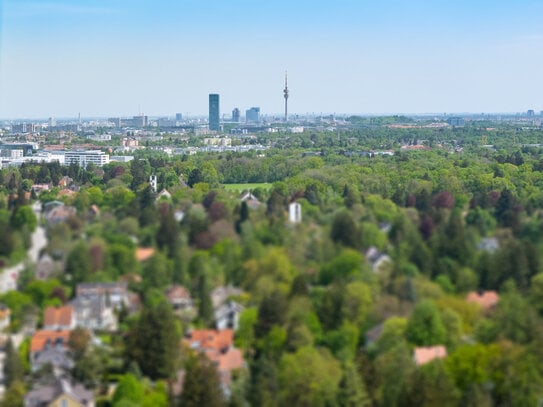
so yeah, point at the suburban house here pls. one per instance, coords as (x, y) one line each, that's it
(163, 195)
(116, 294)
(94, 313)
(46, 267)
(144, 253)
(5, 317)
(218, 346)
(61, 393)
(227, 315)
(225, 310)
(251, 200)
(59, 214)
(486, 299)
(59, 318)
(376, 259)
(179, 298)
(426, 354)
(50, 347)
(221, 294)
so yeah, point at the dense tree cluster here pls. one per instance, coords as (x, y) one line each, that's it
(388, 249)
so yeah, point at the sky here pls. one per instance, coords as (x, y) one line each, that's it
(106, 58)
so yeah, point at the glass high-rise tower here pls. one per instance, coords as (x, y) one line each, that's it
(214, 113)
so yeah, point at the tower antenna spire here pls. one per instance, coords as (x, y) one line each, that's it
(285, 93)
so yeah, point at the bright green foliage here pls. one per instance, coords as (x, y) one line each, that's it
(470, 364)
(347, 266)
(245, 334)
(308, 378)
(393, 334)
(128, 389)
(357, 302)
(24, 216)
(425, 327)
(14, 395)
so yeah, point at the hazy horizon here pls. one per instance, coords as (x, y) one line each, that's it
(118, 58)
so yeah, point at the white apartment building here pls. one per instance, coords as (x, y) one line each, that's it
(84, 157)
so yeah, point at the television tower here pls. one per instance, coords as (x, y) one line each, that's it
(285, 93)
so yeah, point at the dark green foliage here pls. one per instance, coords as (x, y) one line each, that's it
(13, 367)
(271, 311)
(201, 386)
(344, 230)
(205, 307)
(154, 342)
(352, 389)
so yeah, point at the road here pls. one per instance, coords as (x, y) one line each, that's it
(8, 278)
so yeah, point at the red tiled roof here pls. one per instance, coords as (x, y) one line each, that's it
(58, 316)
(212, 339)
(425, 355)
(231, 359)
(143, 253)
(40, 339)
(486, 299)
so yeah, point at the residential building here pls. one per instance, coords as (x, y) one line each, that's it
(295, 212)
(84, 157)
(43, 339)
(252, 115)
(94, 312)
(227, 315)
(115, 293)
(218, 346)
(61, 393)
(59, 318)
(486, 299)
(179, 298)
(426, 354)
(55, 355)
(214, 112)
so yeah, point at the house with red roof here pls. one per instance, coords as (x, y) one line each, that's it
(486, 299)
(218, 346)
(59, 318)
(426, 354)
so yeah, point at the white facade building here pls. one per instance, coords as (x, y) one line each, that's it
(84, 157)
(295, 212)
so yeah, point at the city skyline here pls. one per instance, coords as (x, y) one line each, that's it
(103, 58)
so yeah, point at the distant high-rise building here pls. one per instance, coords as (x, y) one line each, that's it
(252, 114)
(214, 114)
(235, 115)
(456, 121)
(178, 117)
(52, 122)
(285, 94)
(530, 113)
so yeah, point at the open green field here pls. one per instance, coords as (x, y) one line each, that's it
(243, 187)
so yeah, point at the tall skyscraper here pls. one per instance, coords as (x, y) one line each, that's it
(252, 114)
(235, 115)
(285, 93)
(214, 114)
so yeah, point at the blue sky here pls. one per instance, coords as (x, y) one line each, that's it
(115, 57)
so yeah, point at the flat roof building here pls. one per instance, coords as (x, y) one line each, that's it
(214, 112)
(84, 157)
